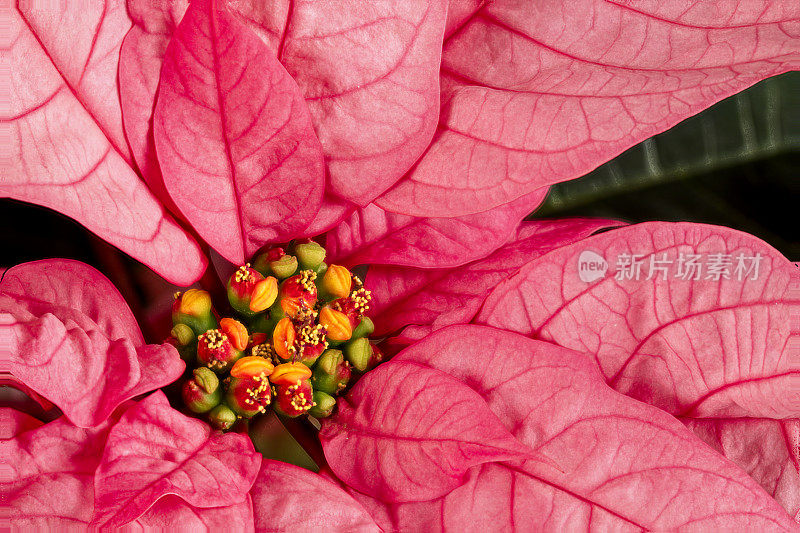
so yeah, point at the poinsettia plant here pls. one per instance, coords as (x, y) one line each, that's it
(542, 376)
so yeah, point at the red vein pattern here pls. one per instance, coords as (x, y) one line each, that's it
(290, 498)
(614, 463)
(374, 236)
(72, 339)
(535, 93)
(63, 131)
(425, 300)
(233, 135)
(154, 451)
(705, 349)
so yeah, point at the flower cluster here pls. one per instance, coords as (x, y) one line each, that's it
(299, 332)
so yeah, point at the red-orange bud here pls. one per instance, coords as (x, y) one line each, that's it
(250, 366)
(297, 292)
(336, 323)
(283, 338)
(236, 333)
(289, 373)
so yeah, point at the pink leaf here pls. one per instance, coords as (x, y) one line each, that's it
(56, 347)
(48, 474)
(431, 299)
(415, 433)
(540, 92)
(714, 350)
(234, 138)
(82, 43)
(331, 213)
(289, 498)
(15, 422)
(702, 348)
(75, 285)
(155, 451)
(768, 450)
(621, 464)
(141, 56)
(369, 72)
(171, 513)
(66, 147)
(374, 236)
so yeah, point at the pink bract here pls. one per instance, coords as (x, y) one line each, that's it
(289, 498)
(73, 340)
(61, 475)
(66, 149)
(50, 474)
(581, 85)
(233, 135)
(419, 428)
(615, 463)
(374, 236)
(429, 299)
(154, 451)
(710, 350)
(534, 93)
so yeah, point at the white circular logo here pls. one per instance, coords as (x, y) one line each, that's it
(591, 266)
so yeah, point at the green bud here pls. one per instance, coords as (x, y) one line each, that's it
(202, 393)
(324, 405)
(364, 328)
(222, 418)
(206, 379)
(331, 373)
(284, 267)
(329, 361)
(309, 255)
(358, 352)
(183, 334)
(265, 322)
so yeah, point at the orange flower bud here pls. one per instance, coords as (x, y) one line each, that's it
(193, 309)
(195, 302)
(264, 294)
(290, 373)
(283, 338)
(236, 332)
(336, 323)
(250, 366)
(337, 281)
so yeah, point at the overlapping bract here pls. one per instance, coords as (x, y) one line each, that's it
(472, 427)
(73, 340)
(441, 111)
(613, 463)
(435, 141)
(719, 354)
(109, 460)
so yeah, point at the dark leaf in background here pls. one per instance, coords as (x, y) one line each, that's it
(734, 164)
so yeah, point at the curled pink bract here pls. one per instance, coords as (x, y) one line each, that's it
(614, 463)
(716, 351)
(73, 340)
